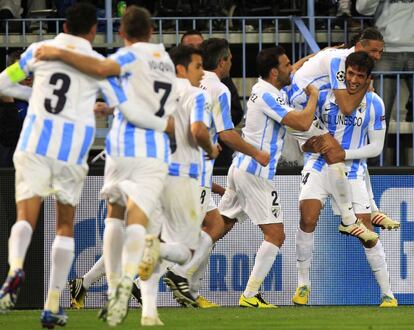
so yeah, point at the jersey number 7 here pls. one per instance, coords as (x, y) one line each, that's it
(166, 87)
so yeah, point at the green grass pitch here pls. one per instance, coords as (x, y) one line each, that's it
(332, 318)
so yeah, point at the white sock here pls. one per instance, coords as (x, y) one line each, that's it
(94, 274)
(265, 258)
(341, 192)
(203, 251)
(133, 249)
(113, 243)
(19, 240)
(374, 206)
(304, 254)
(63, 253)
(376, 259)
(196, 281)
(149, 291)
(175, 252)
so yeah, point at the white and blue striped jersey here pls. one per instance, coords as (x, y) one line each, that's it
(220, 119)
(148, 79)
(60, 121)
(263, 129)
(326, 70)
(350, 131)
(193, 106)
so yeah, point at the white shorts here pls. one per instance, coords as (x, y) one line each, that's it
(315, 185)
(182, 210)
(44, 176)
(141, 179)
(250, 196)
(207, 202)
(156, 221)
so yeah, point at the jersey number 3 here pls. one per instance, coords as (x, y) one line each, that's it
(63, 82)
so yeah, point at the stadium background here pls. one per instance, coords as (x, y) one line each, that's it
(340, 273)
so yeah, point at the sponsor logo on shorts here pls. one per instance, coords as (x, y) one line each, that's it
(276, 211)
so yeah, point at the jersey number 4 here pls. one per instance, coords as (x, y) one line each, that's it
(162, 86)
(63, 81)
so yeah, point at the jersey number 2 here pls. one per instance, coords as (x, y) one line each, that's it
(166, 87)
(59, 92)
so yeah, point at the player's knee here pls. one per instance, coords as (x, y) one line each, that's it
(308, 223)
(274, 234)
(64, 229)
(276, 238)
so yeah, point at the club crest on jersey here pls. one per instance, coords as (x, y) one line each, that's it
(280, 100)
(276, 211)
(340, 76)
(362, 107)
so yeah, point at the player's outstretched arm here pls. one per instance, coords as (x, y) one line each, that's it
(302, 120)
(234, 141)
(201, 135)
(372, 149)
(146, 119)
(100, 68)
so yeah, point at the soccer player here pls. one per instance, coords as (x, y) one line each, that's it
(180, 201)
(137, 164)
(326, 71)
(217, 64)
(51, 154)
(250, 191)
(351, 132)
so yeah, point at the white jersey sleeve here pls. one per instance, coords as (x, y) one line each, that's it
(27, 59)
(201, 109)
(377, 114)
(124, 57)
(276, 108)
(221, 113)
(112, 91)
(337, 73)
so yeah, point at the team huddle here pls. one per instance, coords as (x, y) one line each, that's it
(169, 109)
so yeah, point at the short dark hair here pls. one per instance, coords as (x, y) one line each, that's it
(361, 60)
(191, 33)
(80, 18)
(183, 54)
(136, 22)
(369, 33)
(267, 59)
(214, 50)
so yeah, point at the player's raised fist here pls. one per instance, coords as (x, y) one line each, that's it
(262, 157)
(215, 151)
(311, 90)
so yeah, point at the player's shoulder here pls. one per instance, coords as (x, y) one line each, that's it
(262, 88)
(32, 47)
(124, 55)
(376, 99)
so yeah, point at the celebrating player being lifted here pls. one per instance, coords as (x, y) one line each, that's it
(352, 133)
(326, 70)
